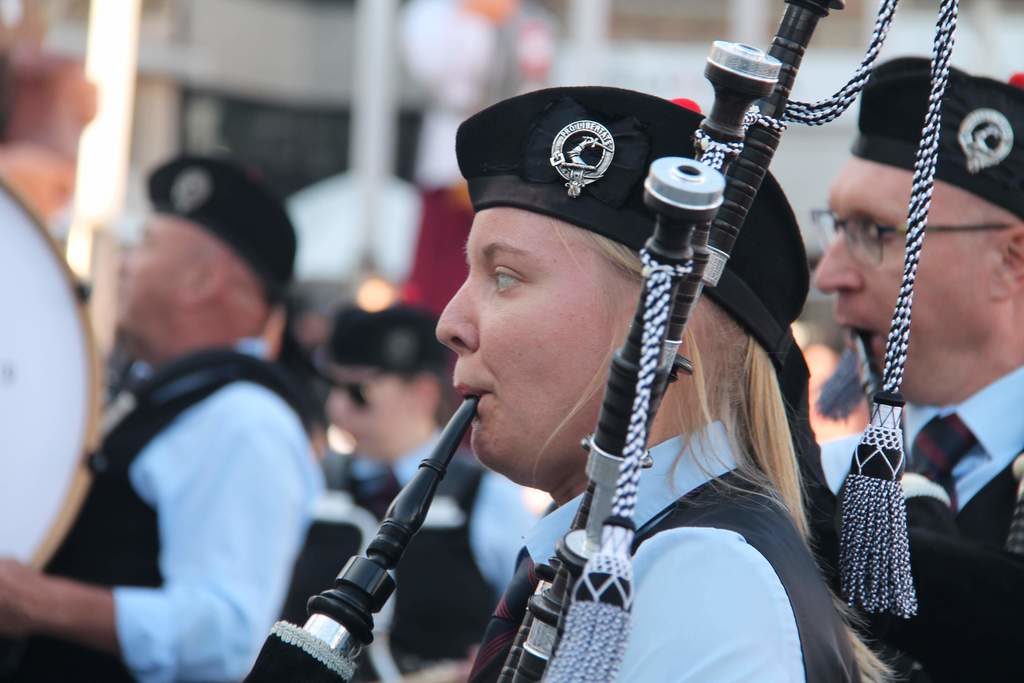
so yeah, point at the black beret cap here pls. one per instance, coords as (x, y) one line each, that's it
(233, 204)
(981, 140)
(400, 339)
(505, 152)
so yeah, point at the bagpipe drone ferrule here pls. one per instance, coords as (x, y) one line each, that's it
(746, 173)
(740, 75)
(603, 470)
(687, 191)
(545, 607)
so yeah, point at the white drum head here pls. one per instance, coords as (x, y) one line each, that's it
(48, 388)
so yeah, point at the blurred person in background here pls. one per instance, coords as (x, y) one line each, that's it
(822, 363)
(964, 379)
(45, 104)
(505, 47)
(203, 486)
(392, 392)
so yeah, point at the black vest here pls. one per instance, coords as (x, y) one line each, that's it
(115, 539)
(728, 503)
(825, 645)
(439, 583)
(986, 517)
(442, 601)
(969, 592)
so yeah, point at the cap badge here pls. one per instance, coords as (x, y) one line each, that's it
(191, 189)
(401, 347)
(582, 153)
(986, 138)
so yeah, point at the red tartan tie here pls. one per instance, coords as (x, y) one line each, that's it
(938, 448)
(501, 629)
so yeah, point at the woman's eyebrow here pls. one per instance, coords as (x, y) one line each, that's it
(494, 248)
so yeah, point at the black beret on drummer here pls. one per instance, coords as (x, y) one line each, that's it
(232, 203)
(581, 155)
(399, 339)
(981, 142)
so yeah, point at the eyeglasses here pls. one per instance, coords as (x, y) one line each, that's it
(866, 239)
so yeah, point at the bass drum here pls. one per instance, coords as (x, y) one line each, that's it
(49, 389)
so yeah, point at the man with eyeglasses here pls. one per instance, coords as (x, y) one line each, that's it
(964, 379)
(391, 390)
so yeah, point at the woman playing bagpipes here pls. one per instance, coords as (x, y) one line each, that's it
(724, 585)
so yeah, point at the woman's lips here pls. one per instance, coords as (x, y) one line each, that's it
(467, 390)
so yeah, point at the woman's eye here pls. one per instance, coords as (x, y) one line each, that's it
(504, 281)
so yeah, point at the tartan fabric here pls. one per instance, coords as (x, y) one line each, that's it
(376, 495)
(501, 629)
(938, 448)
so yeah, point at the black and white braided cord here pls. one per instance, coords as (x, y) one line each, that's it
(920, 197)
(597, 623)
(830, 108)
(657, 310)
(715, 153)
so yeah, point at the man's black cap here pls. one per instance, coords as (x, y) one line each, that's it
(981, 140)
(400, 339)
(509, 153)
(233, 204)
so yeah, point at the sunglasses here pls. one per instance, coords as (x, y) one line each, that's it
(356, 392)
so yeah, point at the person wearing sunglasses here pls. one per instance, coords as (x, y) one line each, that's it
(964, 378)
(391, 390)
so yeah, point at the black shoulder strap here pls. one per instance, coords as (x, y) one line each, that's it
(216, 368)
(731, 503)
(181, 384)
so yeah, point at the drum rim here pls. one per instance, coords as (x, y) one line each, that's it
(81, 480)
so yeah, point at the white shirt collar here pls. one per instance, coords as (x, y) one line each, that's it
(404, 468)
(251, 346)
(992, 414)
(676, 472)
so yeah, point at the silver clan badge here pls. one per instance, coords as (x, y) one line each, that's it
(191, 189)
(582, 153)
(986, 138)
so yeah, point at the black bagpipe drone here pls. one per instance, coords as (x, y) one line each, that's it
(577, 626)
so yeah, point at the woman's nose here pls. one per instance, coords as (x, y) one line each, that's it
(457, 328)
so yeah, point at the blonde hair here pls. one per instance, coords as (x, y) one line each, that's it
(745, 397)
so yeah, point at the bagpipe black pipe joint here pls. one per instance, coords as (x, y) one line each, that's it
(748, 171)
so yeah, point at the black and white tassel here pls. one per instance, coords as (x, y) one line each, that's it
(875, 553)
(874, 558)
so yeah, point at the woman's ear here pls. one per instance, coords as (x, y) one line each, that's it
(1008, 280)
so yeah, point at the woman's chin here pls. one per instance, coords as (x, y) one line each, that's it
(494, 458)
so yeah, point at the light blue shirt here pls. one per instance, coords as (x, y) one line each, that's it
(708, 606)
(498, 521)
(994, 416)
(233, 482)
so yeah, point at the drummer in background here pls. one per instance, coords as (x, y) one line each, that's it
(177, 564)
(392, 392)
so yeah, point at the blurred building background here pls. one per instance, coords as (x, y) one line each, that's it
(334, 99)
